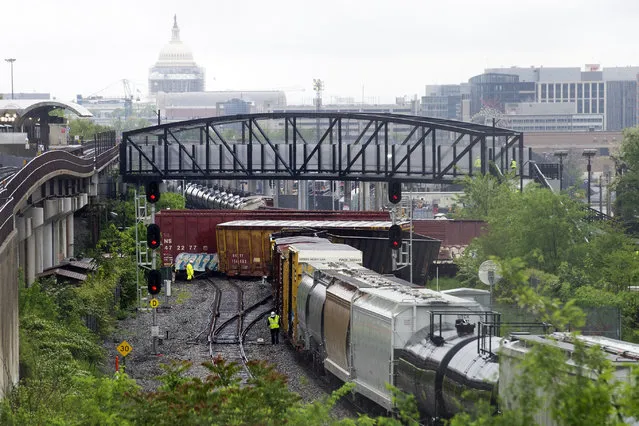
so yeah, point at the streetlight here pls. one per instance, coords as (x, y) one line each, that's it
(589, 153)
(11, 61)
(561, 154)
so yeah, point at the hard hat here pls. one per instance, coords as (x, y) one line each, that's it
(272, 314)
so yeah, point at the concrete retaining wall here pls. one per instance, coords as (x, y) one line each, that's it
(9, 341)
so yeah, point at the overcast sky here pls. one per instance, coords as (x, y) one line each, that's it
(379, 48)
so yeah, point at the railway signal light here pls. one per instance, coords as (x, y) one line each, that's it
(154, 282)
(395, 236)
(152, 190)
(394, 191)
(153, 236)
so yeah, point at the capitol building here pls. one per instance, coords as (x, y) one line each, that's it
(175, 70)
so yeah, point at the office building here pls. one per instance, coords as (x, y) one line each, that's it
(493, 90)
(611, 91)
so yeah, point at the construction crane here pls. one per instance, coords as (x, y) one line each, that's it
(128, 99)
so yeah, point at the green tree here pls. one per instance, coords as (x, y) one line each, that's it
(482, 195)
(626, 205)
(85, 128)
(577, 388)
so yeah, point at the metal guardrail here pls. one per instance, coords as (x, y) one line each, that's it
(39, 167)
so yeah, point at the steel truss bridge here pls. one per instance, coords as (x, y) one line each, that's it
(319, 146)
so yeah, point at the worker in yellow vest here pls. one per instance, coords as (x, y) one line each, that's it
(477, 164)
(189, 270)
(513, 165)
(274, 325)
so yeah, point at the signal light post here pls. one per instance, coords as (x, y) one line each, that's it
(153, 240)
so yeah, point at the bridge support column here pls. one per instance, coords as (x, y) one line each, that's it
(31, 260)
(276, 193)
(37, 221)
(347, 194)
(379, 195)
(56, 243)
(302, 195)
(252, 186)
(364, 196)
(22, 225)
(47, 246)
(70, 236)
(63, 239)
(39, 246)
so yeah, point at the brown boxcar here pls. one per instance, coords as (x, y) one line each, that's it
(193, 231)
(244, 245)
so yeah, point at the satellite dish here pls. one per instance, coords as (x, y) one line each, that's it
(489, 272)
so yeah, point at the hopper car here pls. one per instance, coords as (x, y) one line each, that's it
(360, 326)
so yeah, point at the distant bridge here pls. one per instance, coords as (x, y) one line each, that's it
(318, 146)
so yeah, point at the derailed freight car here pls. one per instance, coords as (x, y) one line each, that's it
(243, 244)
(193, 231)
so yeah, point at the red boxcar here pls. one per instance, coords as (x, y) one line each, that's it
(455, 235)
(193, 231)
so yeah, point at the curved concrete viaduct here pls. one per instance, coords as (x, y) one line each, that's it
(36, 231)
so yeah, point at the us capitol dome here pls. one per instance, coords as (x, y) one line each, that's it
(175, 70)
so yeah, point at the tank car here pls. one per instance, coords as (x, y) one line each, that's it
(216, 197)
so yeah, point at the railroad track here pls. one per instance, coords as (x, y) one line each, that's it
(230, 322)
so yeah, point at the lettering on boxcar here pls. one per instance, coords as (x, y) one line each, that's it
(239, 259)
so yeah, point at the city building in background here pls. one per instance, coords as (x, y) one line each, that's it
(176, 70)
(593, 91)
(550, 117)
(30, 96)
(188, 106)
(396, 131)
(448, 101)
(493, 90)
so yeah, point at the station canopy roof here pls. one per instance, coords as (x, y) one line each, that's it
(24, 107)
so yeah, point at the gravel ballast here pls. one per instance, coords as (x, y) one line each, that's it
(183, 328)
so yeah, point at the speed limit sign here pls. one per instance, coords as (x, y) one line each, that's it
(154, 303)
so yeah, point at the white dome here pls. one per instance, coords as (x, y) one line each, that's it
(175, 53)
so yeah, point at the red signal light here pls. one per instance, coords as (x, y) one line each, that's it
(154, 282)
(394, 192)
(395, 236)
(153, 236)
(152, 190)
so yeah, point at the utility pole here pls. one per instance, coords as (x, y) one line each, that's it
(589, 153)
(318, 87)
(11, 61)
(561, 154)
